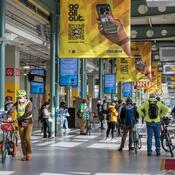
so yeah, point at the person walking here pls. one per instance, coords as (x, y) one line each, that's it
(100, 114)
(154, 111)
(46, 117)
(23, 107)
(129, 117)
(111, 121)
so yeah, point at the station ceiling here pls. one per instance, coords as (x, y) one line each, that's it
(30, 31)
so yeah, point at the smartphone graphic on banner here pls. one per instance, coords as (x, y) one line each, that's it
(106, 18)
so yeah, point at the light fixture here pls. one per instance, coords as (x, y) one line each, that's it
(142, 9)
(23, 34)
(149, 33)
(26, 67)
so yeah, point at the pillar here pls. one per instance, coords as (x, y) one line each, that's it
(91, 84)
(52, 73)
(101, 62)
(83, 78)
(12, 77)
(2, 54)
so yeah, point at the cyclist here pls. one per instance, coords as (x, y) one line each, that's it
(154, 111)
(23, 107)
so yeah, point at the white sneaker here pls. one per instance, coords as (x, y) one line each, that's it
(107, 139)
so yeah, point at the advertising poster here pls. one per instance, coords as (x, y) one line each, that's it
(141, 51)
(68, 72)
(94, 28)
(127, 89)
(154, 83)
(125, 70)
(109, 83)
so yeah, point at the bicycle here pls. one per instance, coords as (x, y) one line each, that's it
(166, 141)
(10, 139)
(136, 139)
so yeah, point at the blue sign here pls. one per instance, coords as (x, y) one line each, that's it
(40, 72)
(109, 83)
(127, 89)
(68, 72)
(37, 87)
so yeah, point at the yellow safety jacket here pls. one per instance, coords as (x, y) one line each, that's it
(162, 110)
(21, 108)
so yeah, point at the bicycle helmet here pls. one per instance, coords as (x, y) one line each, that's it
(21, 93)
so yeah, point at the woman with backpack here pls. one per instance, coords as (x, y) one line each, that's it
(111, 120)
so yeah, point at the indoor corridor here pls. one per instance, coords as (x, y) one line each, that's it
(74, 154)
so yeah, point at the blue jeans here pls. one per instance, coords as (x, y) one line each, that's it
(153, 127)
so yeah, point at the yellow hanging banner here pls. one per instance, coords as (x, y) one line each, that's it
(141, 51)
(154, 84)
(94, 28)
(125, 70)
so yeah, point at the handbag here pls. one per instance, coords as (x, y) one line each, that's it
(50, 119)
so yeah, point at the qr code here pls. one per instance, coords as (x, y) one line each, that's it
(76, 32)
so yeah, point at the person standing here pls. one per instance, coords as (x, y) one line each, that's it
(129, 117)
(154, 111)
(46, 124)
(23, 107)
(84, 113)
(100, 114)
(111, 121)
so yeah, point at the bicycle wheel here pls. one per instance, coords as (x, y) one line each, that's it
(139, 142)
(136, 146)
(167, 144)
(4, 150)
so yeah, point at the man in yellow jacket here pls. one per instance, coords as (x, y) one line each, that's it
(153, 110)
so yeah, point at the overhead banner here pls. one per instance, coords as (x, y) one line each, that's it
(94, 28)
(68, 72)
(127, 89)
(154, 84)
(141, 51)
(109, 83)
(125, 70)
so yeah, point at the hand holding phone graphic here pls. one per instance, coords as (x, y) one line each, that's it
(112, 28)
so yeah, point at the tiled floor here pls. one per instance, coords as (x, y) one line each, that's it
(72, 154)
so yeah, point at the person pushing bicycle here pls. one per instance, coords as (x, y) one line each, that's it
(23, 106)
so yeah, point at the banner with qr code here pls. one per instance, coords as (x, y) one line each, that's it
(125, 70)
(94, 28)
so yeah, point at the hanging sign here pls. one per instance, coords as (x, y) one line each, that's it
(109, 83)
(68, 72)
(94, 28)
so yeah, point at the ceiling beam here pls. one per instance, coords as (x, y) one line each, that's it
(140, 32)
(139, 8)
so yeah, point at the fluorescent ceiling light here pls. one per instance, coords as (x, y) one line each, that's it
(158, 3)
(23, 34)
(26, 67)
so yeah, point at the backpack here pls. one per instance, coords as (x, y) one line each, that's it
(153, 110)
(130, 115)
